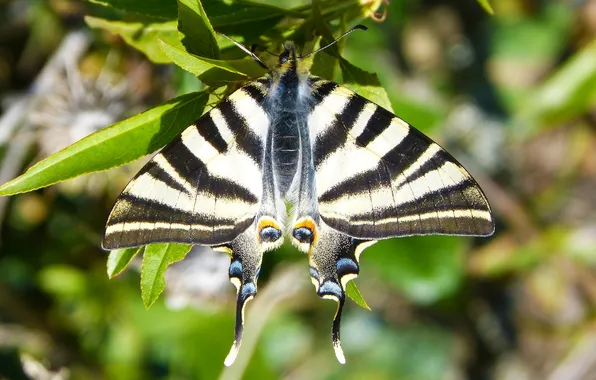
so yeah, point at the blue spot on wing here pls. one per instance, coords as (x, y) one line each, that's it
(346, 266)
(331, 288)
(236, 269)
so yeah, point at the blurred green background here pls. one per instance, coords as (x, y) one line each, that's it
(512, 96)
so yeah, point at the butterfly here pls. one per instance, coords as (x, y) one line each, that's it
(353, 172)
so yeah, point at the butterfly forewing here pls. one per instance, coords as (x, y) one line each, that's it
(204, 187)
(378, 177)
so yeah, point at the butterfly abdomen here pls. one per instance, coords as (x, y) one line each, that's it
(288, 106)
(286, 150)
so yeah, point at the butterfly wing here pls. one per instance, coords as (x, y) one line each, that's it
(204, 187)
(212, 185)
(333, 260)
(378, 177)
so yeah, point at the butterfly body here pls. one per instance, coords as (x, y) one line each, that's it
(353, 172)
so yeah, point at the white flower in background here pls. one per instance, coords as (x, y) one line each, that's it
(200, 280)
(477, 138)
(35, 369)
(76, 107)
(61, 107)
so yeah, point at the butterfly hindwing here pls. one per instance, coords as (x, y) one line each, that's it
(212, 185)
(205, 186)
(246, 256)
(334, 261)
(378, 177)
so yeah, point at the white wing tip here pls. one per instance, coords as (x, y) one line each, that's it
(232, 355)
(339, 353)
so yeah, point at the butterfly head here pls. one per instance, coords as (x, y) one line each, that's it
(289, 63)
(288, 56)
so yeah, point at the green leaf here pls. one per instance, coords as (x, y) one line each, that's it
(63, 280)
(486, 5)
(194, 63)
(322, 27)
(365, 83)
(199, 66)
(424, 268)
(119, 259)
(324, 63)
(165, 9)
(196, 32)
(113, 146)
(142, 34)
(211, 71)
(244, 18)
(156, 259)
(230, 17)
(223, 14)
(353, 292)
(568, 93)
(358, 80)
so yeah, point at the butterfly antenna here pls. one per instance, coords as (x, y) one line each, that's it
(249, 52)
(357, 27)
(254, 48)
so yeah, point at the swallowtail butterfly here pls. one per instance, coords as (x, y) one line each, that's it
(353, 172)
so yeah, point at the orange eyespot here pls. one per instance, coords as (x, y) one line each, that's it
(268, 230)
(304, 235)
(269, 234)
(305, 231)
(306, 222)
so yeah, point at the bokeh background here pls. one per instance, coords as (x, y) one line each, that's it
(512, 96)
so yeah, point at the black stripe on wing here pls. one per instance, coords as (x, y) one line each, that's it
(254, 89)
(193, 170)
(162, 175)
(396, 161)
(190, 222)
(211, 134)
(246, 140)
(188, 193)
(321, 88)
(413, 187)
(335, 136)
(154, 222)
(374, 127)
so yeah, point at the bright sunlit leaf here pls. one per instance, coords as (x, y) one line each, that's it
(156, 259)
(113, 146)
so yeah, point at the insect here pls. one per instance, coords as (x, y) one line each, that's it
(353, 172)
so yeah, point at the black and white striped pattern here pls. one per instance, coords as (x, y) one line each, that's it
(353, 172)
(377, 177)
(204, 186)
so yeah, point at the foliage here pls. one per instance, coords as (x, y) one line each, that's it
(441, 306)
(195, 49)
